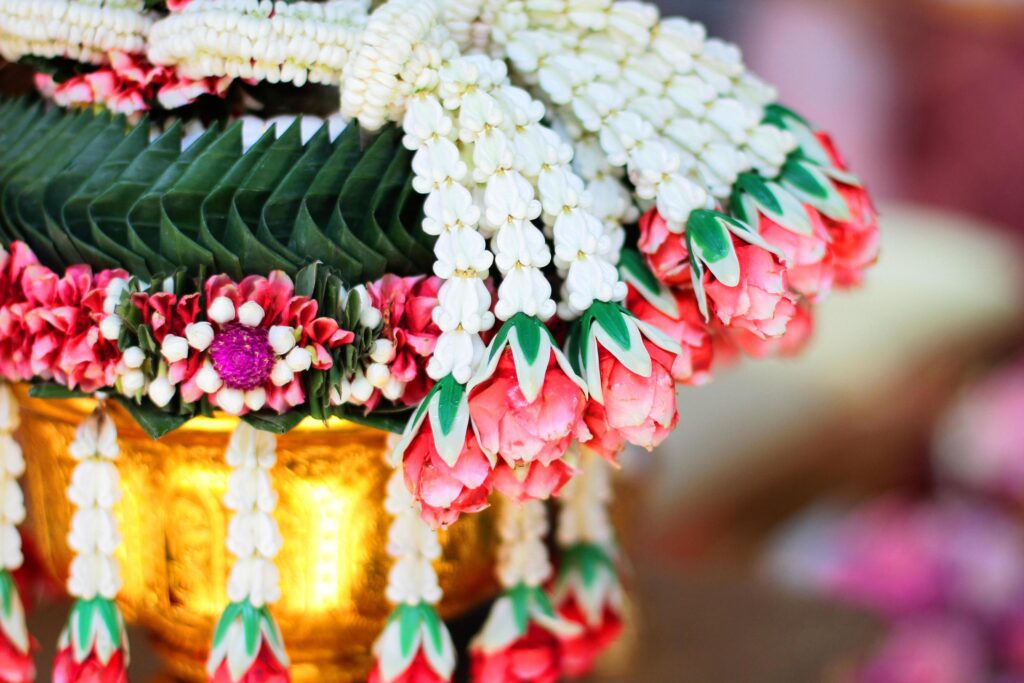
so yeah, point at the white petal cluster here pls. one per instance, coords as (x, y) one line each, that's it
(253, 536)
(94, 491)
(12, 466)
(523, 553)
(583, 517)
(82, 30)
(265, 40)
(414, 547)
(678, 111)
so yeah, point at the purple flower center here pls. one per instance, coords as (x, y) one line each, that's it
(242, 356)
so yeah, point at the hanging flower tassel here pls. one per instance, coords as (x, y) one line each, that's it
(415, 646)
(522, 638)
(94, 645)
(247, 643)
(16, 665)
(588, 591)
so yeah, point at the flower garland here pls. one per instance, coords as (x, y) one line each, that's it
(277, 42)
(588, 591)
(15, 644)
(247, 644)
(522, 638)
(94, 643)
(82, 30)
(415, 644)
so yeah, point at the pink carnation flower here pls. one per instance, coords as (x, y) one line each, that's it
(407, 305)
(854, 243)
(666, 252)
(523, 433)
(798, 333)
(638, 410)
(809, 263)
(761, 303)
(445, 492)
(693, 365)
(535, 657)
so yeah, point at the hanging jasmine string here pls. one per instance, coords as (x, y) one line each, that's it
(15, 645)
(94, 644)
(247, 643)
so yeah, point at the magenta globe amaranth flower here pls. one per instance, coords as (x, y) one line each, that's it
(242, 356)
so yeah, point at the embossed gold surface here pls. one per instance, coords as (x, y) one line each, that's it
(333, 565)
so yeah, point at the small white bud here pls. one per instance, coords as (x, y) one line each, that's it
(199, 335)
(383, 351)
(281, 374)
(221, 310)
(231, 401)
(174, 348)
(255, 398)
(362, 390)
(299, 359)
(282, 339)
(133, 357)
(110, 327)
(394, 389)
(161, 391)
(378, 375)
(250, 314)
(132, 382)
(208, 380)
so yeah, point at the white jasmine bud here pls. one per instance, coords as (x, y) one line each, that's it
(231, 401)
(362, 390)
(199, 335)
(132, 382)
(255, 398)
(110, 327)
(282, 339)
(161, 391)
(221, 310)
(208, 380)
(299, 359)
(174, 348)
(250, 314)
(133, 357)
(378, 375)
(281, 373)
(383, 351)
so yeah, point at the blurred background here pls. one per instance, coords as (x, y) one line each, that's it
(851, 515)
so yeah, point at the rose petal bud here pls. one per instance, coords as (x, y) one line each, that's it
(362, 390)
(299, 359)
(255, 398)
(231, 401)
(174, 348)
(250, 314)
(281, 374)
(383, 351)
(161, 391)
(378, 375)
(110, 327)
(133, 357)
(208, 380)
(133, 381)
(222, 310)
(282, 339)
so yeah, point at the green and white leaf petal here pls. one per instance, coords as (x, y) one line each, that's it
(12, 613)
(441, 659)
(449, 419)
(635, 357)
(708, 238)
(636, 273)
(391, 658)
(501, 628)
(659, 338)
(808, 183)
(273, 638)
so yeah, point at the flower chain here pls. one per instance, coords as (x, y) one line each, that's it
(12, 500)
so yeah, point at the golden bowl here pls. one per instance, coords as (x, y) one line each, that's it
(331, 480)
